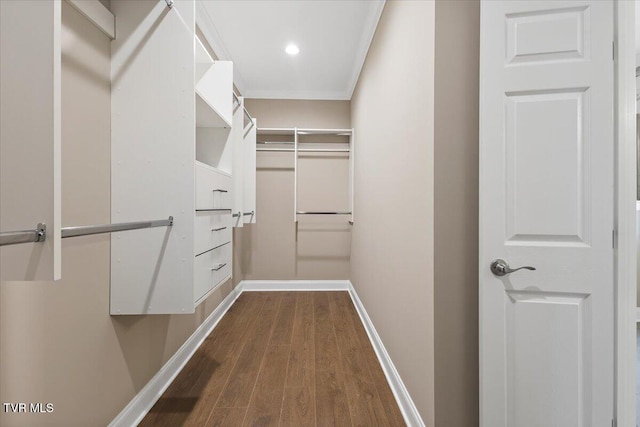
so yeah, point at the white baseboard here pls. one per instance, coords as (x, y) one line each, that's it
(407, 407)
(294, 285)
(140, 405)
(135, 411)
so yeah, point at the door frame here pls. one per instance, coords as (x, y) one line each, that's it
(625, 251)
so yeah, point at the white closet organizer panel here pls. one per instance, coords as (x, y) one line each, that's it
(211, 270)
(212, 229)
(152, 172)
(249, 172)
(213, 188)
(30, 135)
(239, 160)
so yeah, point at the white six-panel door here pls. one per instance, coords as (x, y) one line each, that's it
(546, 196)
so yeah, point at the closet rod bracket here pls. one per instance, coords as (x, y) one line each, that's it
(26, 236)
(169, 3)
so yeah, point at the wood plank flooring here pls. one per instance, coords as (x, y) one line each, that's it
(282, 359)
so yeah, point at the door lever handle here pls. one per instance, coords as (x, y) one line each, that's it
(500, 268)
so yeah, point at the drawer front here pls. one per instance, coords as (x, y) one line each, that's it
(213, 190)
(211, 229)
(211, 268)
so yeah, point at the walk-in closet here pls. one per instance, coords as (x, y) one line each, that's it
(226, 213)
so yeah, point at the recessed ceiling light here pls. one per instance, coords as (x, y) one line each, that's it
(292, 49)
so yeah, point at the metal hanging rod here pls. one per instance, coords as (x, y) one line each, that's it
(39, 234)
(307, 150)
(214, 210)
(248, 115)
(275, 142)
(86, 230)
(243, 107)
(322, 213)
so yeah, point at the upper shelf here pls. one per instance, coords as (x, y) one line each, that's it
(339, 132)
(214, 100)
(276, 131)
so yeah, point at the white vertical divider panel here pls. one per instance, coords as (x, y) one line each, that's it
(30, 136)
(352, 166)
(238, 162)
(249, 170)
(152, 155)
(295, 174)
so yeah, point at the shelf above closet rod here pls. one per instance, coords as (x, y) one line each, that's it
(308, 150)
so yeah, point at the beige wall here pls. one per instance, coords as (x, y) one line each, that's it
(392, 250)
(318, 247)
(58, 342)
(456, 212)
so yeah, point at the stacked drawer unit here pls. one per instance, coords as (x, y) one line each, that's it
(213, 230)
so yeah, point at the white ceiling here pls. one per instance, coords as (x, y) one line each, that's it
(333, 37)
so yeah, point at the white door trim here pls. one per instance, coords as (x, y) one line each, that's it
(626, 258)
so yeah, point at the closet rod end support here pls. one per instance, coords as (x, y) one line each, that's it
(41, 232)
(170, 221)
(169, 3)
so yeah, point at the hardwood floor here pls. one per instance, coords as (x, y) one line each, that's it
(282, 358)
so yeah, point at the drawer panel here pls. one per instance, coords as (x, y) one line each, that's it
(213, 189)
(211, 229)
(210, 269)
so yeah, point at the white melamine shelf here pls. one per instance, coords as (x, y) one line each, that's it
(214, 169)
(339, 132)
(214, 100)
(276, 131)
(207, 116)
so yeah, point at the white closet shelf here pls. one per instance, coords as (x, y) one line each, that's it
(276, 131)
(207, 116)
(340, 132)
(207, 166)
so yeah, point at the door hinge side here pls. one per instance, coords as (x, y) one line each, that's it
(613, 50)
(614, 423)
(614, 242)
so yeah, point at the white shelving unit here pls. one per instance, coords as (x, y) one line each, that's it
(299, 141)
(215, 139)
(172, 155)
